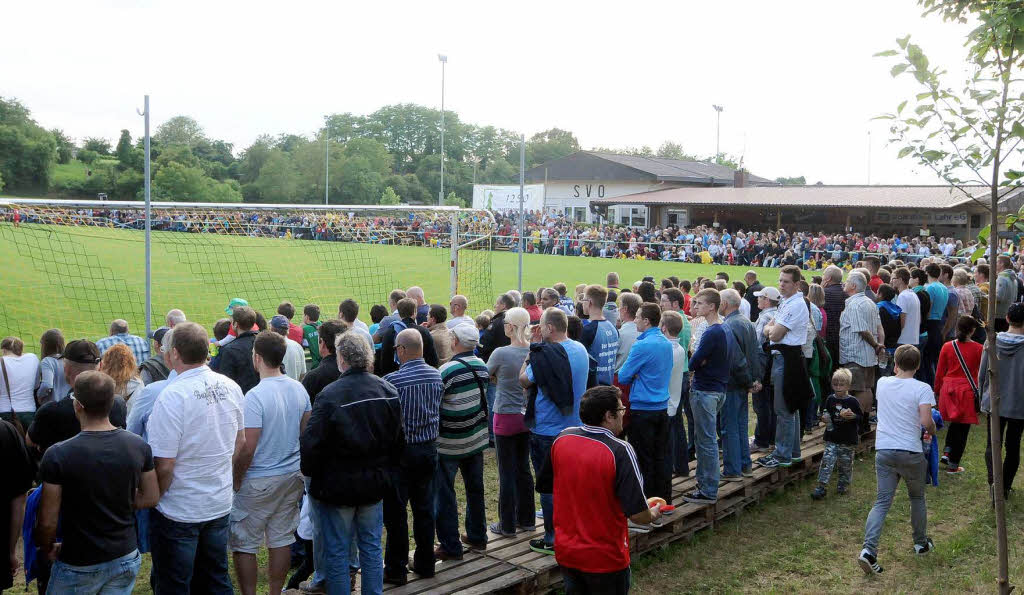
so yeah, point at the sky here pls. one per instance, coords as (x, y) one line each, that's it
(797, 80)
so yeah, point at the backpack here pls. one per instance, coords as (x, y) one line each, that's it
(926, 306)
(398, 326)
(891, 327)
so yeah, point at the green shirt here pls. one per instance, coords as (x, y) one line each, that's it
(311, 337)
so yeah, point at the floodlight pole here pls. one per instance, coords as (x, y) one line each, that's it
(440, 196)
(327, 168)
(718, 130)
(522, 226)
(149, 276)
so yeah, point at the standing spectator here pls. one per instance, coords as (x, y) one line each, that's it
(873, 264)
(981, 281)
(648, 371)
(266, 478)
(310, 330)
(174, 317)
(235, 358)
(858, 345)
(531, 307)
(955, 385)
(599, 336)
(92, 484)
(835, 301)
(1006, 291)
(565, 303)
(511, 436)
(19, 472)
(910, 308)
(494, 336)
(439, 332)
(678, 390)
(461, 445)
(52, 385)
(389, 361)
(597, 487)
(842, 432)
(294, 361)
(939, 297)
(556, 405)
(763, 400)
(20, 373)
(348, 311)
(422, 309)
(629, 305)
(458, 306)
(154, 368)
(393, 298)
(351, 450)
(119, 364)
(735, 427)
(195, 430)
(119, 334)
(611, 281)
(953, 306)
(287, 310)
(549, 298)
(142, 404)
(753, 286)
(1011, 395)
(710, 364)
(327, 372)
(419, 397)
(56, 421)
(904, 407)
(790, 380)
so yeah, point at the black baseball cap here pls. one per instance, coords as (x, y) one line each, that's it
(158, 334)
(81, 351)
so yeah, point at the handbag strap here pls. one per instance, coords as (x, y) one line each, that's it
(479, 383)
(7, 383)
(963, 366)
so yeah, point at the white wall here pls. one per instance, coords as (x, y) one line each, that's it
(579, 193)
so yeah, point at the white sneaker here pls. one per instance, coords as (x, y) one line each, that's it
(638, 528)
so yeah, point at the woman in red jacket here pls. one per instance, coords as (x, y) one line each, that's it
(954, 391)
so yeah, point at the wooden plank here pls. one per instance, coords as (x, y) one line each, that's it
(517, 581)
(480, 566)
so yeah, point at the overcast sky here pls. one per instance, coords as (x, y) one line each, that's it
(797, 79)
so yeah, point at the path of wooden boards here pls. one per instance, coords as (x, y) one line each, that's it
(508, 565)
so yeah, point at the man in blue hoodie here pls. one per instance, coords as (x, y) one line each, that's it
(710, 367)
(648, 371)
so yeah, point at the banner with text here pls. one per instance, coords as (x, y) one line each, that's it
(921, 217)
(506, 198)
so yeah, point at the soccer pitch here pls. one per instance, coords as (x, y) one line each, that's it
(78, 279)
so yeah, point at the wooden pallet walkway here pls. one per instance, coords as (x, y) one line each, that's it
(508, 565)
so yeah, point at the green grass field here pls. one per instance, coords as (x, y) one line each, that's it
(78, 279)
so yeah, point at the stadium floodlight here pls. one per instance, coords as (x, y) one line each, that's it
(444, 60)
(718, 130)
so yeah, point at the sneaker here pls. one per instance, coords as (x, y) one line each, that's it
(869, 563)
(944, 459)
(928, 546)
(659, 522)
(795, 460)
(638, 528)
(698, 497)
(818, 493)
(772, 463)
(747, 472)
(525, 528)
(539, 514)
(767, 461)
(954, 470)
(727, 478)
(496, 529)
(308, 588)
(540, 547)
(391, 580)
(442, 554)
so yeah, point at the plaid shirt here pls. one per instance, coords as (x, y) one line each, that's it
(859, 315)
(138, 345)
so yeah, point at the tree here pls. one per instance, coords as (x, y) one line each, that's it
(671, 150)
(972, 134)
(87, 156)
(799, 181)
(65, 148)
(454, 201)
(278, 181)
(549, 145)
(1, 182)
(28, 152)
(254, 157)
(178, 182)
(389, 197)
(179, 130)
(95, 143)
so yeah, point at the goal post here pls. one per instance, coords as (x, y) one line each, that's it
(77, 265)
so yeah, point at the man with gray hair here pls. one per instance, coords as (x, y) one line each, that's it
(174, 317)
(350, 450)
(422, 307)
(119, 334)
(517, 298)
(155, 368)
(858, 345)
(735, 446)
(835, 301)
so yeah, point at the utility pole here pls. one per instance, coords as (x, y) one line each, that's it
(444, 60)
(522, 226)
(327, 167)
(149, 222)
(718, 130)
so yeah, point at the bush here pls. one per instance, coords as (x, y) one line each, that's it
(87, 156)
(389, 197)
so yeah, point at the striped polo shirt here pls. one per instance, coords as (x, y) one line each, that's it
(419, 392)
(463, 407)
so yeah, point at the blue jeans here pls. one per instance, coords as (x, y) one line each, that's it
(706, 406)
(735, 444)
(109, 578)
(446, 506)
(540, 451)
(339, 526)
(492, 390)
(189, 557)
(787, 424)
(319, 561)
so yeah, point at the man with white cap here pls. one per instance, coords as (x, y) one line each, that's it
(764, 433)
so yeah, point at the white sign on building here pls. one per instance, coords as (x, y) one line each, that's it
(506, 197)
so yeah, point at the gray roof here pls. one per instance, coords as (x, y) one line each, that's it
(856, 197)
(677, 170)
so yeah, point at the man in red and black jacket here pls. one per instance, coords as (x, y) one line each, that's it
(596, 485)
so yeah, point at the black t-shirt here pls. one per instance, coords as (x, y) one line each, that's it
(843, 431)
(55, 421)
(16, 479)
(98, 473)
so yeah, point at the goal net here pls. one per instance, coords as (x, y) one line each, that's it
(79, 265)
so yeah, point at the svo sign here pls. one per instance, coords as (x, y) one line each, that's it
(588, 189)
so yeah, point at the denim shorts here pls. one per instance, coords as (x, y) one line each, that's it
(114, 577)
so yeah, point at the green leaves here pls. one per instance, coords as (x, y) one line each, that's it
(885, 54)
(898, 69)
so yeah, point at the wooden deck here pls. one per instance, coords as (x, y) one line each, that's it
(509, 566)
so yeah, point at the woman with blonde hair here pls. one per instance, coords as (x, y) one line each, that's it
(119, 363)
(511, 436)
(19, 377)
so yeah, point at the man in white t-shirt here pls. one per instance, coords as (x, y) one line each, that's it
(910, 306)
(348, 311)
(904, 407)
(267, 482)
(195, 429)
(295, 358)
(457, 312)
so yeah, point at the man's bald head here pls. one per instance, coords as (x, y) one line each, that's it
(409, 345)
(118, 327)
(458, 305)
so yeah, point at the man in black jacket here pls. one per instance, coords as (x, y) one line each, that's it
(388, 363)
(327, 372)
(494, 336)
(235, 358)
(350, 450)
(753, 285)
